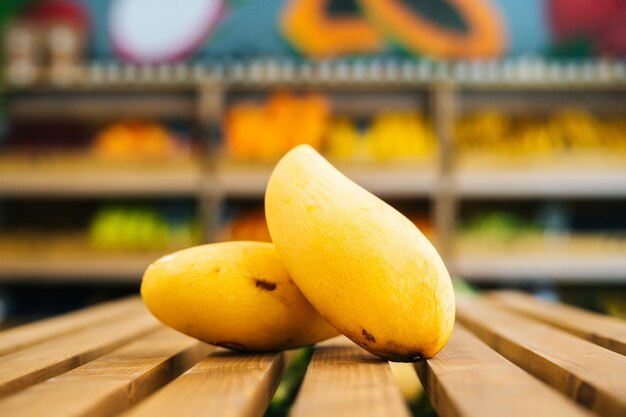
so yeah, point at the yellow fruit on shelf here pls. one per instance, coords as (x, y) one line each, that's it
(567, 131)
(364, 266)
(343, 140)
(398, 135)
(390, 136)
(234, 294)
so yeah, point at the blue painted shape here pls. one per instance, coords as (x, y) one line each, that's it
(526, 22)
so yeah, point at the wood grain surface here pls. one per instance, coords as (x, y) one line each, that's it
(590, 374)
(29, 334)
(225, 384)
(469, 379)
(606, 331)
(111, 383)
(345, 380)
(55, 356)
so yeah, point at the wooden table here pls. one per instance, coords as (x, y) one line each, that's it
(510, 355)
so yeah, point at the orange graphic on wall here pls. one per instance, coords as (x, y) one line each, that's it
(437, 29)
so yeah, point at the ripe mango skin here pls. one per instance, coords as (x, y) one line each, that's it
(234, 294)
(364, 266)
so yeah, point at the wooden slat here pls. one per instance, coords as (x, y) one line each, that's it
(34, 364)
(590, 374)
(469, 379)
(30, 334)
(606, 331)
(345, 380)
(225, 384)
(111, 383)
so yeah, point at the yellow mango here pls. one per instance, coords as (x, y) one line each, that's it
(364, 266)
(233, 294)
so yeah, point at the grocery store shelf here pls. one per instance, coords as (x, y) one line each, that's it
(83, 267)
(539, 183)
(392, 180)
(534, 103)
(98, 182)
(232, 180)
(533, 256)
(98, 107)
(519, 268)
(373, 73)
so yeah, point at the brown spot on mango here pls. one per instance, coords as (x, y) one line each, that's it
(265, 285)
(369, 337)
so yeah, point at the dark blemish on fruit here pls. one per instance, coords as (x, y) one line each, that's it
(265, 285)
(217, 270)
(411, 357)
(369, 337)
(231, 345)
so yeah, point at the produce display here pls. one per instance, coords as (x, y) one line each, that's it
(499, 225)
(264, 132)
(567, 131)
(137, 141)
(78, 143)
(249, 226)
(137, 227)
(350, 254)
(390, 136)
(236, 295)
(550, 232)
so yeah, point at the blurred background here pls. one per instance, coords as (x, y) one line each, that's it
(132, 128)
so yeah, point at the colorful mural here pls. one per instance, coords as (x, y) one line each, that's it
(599, 26)
(317, 29)
(437, 29)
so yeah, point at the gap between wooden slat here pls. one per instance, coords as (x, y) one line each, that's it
(225, 384)
(606, 331)
(110, 384)
(590, 374)
(37, 363)
(30, 334)
(345, 380)
(469, 379)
